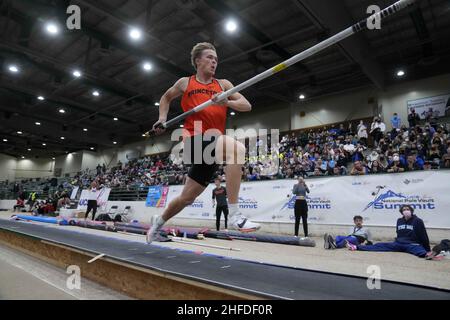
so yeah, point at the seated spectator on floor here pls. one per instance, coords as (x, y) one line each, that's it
(48, 208)
(396, 165)
(411, 238)
(63, 202)
(358, 235)
(358, 169)
(38, 208)
(20, 204)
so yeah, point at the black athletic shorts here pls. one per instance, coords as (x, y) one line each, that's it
(200, 171)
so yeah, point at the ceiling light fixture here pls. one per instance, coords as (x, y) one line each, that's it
(13, 69)
(52, 28)
(76, 73)
(231, 26)
(135, 34)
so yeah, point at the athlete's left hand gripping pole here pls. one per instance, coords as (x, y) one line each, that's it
(357, 27)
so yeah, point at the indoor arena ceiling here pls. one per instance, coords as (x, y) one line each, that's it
(111, 63)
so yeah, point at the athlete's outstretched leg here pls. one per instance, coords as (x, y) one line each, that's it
(233, 153)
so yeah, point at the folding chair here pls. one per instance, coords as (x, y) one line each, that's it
(124, 215)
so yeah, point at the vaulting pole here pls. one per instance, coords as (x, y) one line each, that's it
(357, 27)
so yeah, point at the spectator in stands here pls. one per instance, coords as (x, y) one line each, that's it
(412, 236)
(317, 172)
(413, 118)
(357, 235)
(362, 133)
(446, 159)
(413, 163)
(358, 154)
(428, 165)
(358, 169)
(342, 131)
(16, 188)
(45, 190)
(396, 121)
(434, 155)
(339, 171)
(377, 130)
(396, 165)
(376, 167)
(431, 116)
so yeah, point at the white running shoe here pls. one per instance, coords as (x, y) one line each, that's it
(241, 223)
(153, 232)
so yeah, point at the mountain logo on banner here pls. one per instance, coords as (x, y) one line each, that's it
(393, 201)
(388, 194)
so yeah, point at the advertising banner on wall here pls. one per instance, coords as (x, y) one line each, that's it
(438, 106)
(336, 200)
(102, 199)
(74, 193)
(157, 196)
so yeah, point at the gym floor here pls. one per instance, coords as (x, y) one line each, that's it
(23, 277)
(400, 267)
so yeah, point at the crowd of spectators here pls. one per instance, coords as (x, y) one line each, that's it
(357, 150)
(135, 174)
(346, 149)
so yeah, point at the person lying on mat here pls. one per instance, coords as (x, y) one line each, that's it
(358, 235)
(412, 236)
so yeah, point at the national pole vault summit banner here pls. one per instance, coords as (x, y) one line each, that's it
(102, 199)
(157, 196)
(336, 200)
(439, 105)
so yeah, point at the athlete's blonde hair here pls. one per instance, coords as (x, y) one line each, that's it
(197, 51)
